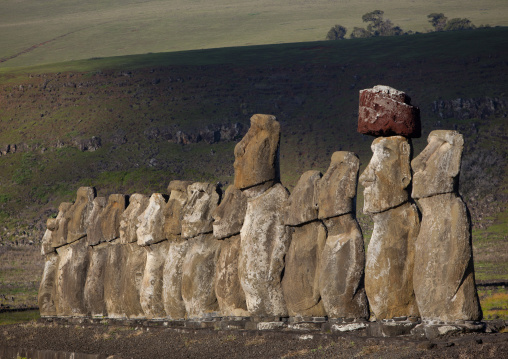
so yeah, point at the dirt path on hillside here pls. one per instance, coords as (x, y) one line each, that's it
(153, 342)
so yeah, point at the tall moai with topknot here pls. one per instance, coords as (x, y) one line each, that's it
(444, 271)
(264, 237)
(387, 114)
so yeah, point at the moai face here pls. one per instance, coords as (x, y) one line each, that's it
(79, 213)
(257, 155)
(229, 215)
(437, 167)
(388, 174)
(337, 188)
(174, 208)
(203, 198)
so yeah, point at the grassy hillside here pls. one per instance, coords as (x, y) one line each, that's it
(137, 104)
(36, 32)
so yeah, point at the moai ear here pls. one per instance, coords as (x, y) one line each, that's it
(405, 168)
(353, 165)
(456, 141)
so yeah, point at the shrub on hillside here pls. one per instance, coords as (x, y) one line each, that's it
(336, 33)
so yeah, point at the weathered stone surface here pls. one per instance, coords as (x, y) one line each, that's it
(110, 216)
(388, 174)
(203, 198)
(94, 285)
(79, 213)
(436, 169)
(301, 206)
(173, 211)
(264, 244)
(172, 279)
(257, 154)
(113, 286)
(151, 287)
(337, 188)
(93, 230)
(390, 263)
(71, 278)
(129, 219)
(444, 271)
(385, 111)
(198, 273)
(151, 221)
(59, 226)
(46, 247)
(47, 296)
(341, 269)
(132, 278)
(228, 289)
(301, 277)
(229, 215)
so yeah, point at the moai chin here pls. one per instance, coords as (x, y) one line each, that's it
(342, 260)
(444, 272)
(390, 255)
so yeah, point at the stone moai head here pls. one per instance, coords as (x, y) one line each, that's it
(110, 216)
(387, 175)
(302, 204)
(79, 213)
(129, 222)
(385, 111)
(197, 219)
(93, 230)
(337, 188)
(437, 167)
(229, 215)
(151, 221)
(59, 225)
(173, 211)
(257, 154)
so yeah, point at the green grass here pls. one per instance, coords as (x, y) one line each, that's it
(75, 30)
(7, 318)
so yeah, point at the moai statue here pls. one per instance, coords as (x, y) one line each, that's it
(172, 273)
(135, 260)
(78, 215)
(151, 237)
(264, 237)
(228, 220)
(94, 285)
(110, 228)
(342, 260)
(444, 272)
(301, 275)
(200, 261)
(385, 111)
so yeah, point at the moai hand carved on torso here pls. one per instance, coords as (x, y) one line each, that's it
(444, 272)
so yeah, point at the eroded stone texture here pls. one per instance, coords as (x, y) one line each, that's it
(132, 278)
(301, 206)
(172, 279)
(198, 273)
(228, 289)
(436, 169)
(47, 296)
(203, 198)
(444, 279)
(113, 286)
(390, 263)
(387, 175)
(129, 219)
(301, 278)
(94, 285)
(71, 278)
(337, 188)
(79, 213)
(385, 111)
(444, 272)
(341, 269)
(264, 244)
(110, 216)
(151, 287)
(173, 211)
(257, 154)
(59, 226)
(46, 247)
(229, 215)
(151, 221)
(94, 231)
